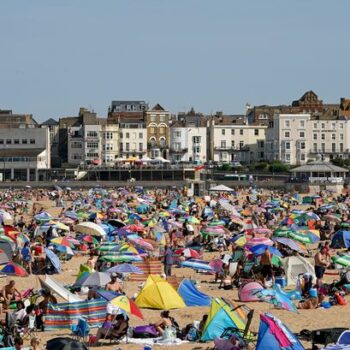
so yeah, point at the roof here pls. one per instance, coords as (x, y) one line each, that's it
(157, 107)
(318, 166)
(21, 152)
(50, 121)
(221, 188)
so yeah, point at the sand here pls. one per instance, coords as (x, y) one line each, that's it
(337, 316)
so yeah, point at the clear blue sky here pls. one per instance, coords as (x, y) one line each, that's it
(211, 54)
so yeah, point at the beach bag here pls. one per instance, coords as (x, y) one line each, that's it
(193, 334)
(145, 332)
(169, 334)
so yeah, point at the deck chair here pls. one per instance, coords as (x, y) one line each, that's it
(30, 332)
(245, 334)
(81, 330)
(238, 255)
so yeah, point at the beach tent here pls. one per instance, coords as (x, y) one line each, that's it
(220, 317)
(191, 295)
(221, 188)
(6, 249)
(294, 266)
(274, 335)
(247, 291)
(157, 293)
(341, 239)
(57, 288)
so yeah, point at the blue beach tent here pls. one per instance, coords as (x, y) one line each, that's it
(191, 295)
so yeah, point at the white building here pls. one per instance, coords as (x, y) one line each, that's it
(132, 139)
(24, 151)
(236, 142)
(188, 142)
(110, 143)
(299, 138)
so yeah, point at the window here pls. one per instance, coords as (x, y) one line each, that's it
(108, 135)
(177, 133)
(162, 118)
(341, 125)
(323, 136)
(121, 147)
(1, 141)
(32, 141)
(287, 134)
(16, 141)
(241, 131)
(256, 132)
(341, 136)
(287, 157)
(177, 146)
(302, 156)
(302, 123)
(140, 135)
(91, 134)
(92, 155)
(232, 131)
(8, 141)
(233, 144)
(287, 144)
(162, 130)
(222, 131)
(323, 147)
(127, 135)
(341, 147)
(140, 147)
(315, 147)
(315, 125)
(162, 142)
(223, 144)
(153, 118)
(323, 125)
(333, 126)
(196, 139)
(197, 149)
(287, 123)
(315, 136)
(109, 146)
(333, 136)
(333, 147)
(261, 144)
(76, 145)
(92, 145)
(127, 146)
(241, 144)
(302, 134)
(302, 145)
(121, 135)
(152, 130)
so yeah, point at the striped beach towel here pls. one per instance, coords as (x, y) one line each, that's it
(64, 315)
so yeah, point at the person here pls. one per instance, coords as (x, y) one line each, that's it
(107, 322)
(27, 257)
(42, 308)
(114, 285)
(9, 293)
(320, 265)
(168, 260)
(202, 323)
(91, 262)
(35, 343)
(118, 329)
(18, 343)
(165, 321)
(21, 312)
(266, 263)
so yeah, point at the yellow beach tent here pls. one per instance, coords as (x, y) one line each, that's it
(157, 293)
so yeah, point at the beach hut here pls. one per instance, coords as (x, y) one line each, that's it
(157, 293)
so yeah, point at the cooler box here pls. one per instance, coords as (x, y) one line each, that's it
(281, 280)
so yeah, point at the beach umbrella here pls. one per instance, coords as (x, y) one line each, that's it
(64, 249)
(135, 228)
(108, 246)
(142, 243)
(216, 265)
(64, 343)
(121, 258)
(95, 279)
(126, 268)
(127, 305)
(306, 237)
(259, 240)
(14, 269)
(90, 239)
(214, 230)
(55, 261)
(290, 243)
(188, 253)
(261, 248)
(197, 265)
(62, 241)
(90, 228)
(6, 218)
(71, 215)
(116, 223)
(239, 240)
(332, 217)
(142, 208)
(343, 260)
(4, 257)
(58, 225)
(43, 217)
(262, 231)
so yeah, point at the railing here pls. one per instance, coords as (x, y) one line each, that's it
(231, 149)
(334, 180)
(328, 150)
(181, 150)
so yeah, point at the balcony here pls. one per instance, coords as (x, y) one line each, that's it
(322, 180)
(132, 151)
(328, 151)
(231, 149)
(178, 150)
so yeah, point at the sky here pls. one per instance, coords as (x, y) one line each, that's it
(213, 55)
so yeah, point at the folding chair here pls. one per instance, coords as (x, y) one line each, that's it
(81, 330)
(30, 332)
